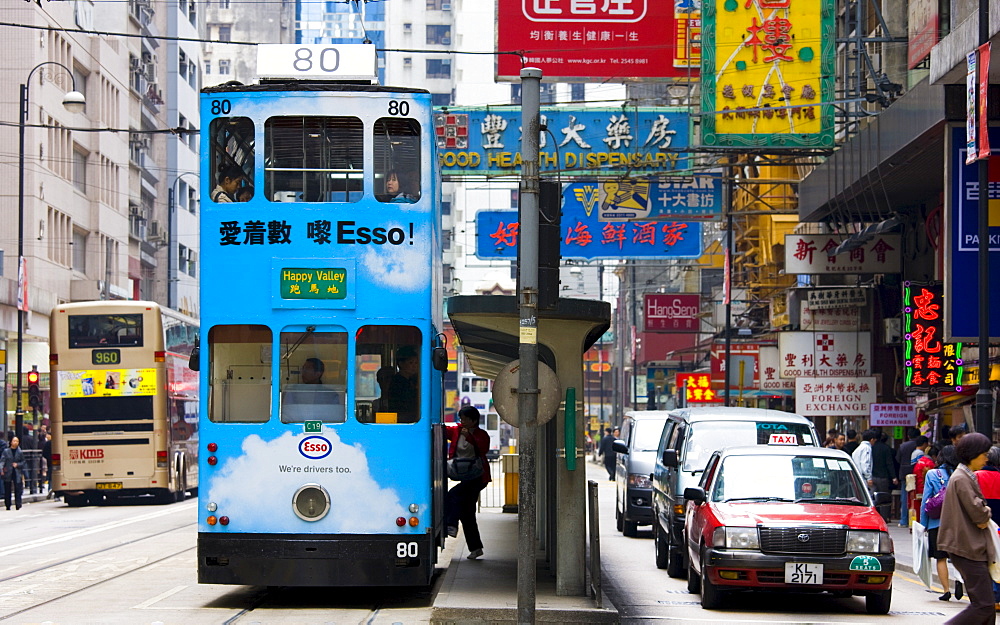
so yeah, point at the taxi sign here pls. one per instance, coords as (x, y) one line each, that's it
(783, 439)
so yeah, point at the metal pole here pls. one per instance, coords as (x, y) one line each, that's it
(22, 120)
(984, 398)
(527, 401)
(170, 243)
(730, 248)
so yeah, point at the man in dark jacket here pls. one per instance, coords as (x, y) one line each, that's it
(12, 471)
(905, 468)
(607, 451)
(883, 472)
(852, 442)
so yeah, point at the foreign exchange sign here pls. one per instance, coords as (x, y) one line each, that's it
(834, 397)
(893, 415)
(813, 254)
(767, 73)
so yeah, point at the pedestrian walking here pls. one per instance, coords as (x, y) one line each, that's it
(467, 440)
(607, 452)
(863, 456)
(964, 532)
(935, 481)
(905, 468)
(12, 473)
(883, 471)
(852, 442)
(989, 483)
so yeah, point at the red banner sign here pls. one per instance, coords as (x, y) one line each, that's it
(697, 388)
(672, 312)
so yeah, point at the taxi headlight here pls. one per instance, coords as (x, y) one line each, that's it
(736, 538)
(859, 541)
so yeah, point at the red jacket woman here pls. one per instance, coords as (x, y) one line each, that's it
(468, 440)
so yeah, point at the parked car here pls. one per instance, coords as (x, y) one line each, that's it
(640, 435)
(689, 437)
(790, 519)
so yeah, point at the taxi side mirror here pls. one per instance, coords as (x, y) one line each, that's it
(620, 447)
(669, 458)
(695, 494)
(883, 499)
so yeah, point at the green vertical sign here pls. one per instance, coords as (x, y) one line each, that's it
(314, 427)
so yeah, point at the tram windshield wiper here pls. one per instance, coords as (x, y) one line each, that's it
(295, 346)
(756, 499)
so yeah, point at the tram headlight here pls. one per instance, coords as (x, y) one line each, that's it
(212, 506)
(311, 502)
(414, 508)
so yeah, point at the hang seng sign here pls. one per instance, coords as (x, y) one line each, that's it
(813, 254)
(768, 73)
(928, 361)
(672, 312)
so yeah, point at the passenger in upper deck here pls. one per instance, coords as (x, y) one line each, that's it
(398, 189)
(228, 184)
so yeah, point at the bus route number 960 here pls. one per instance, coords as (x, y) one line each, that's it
(407, 550)
(106, 357)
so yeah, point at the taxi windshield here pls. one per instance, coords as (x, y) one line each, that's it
(800, 479)
(708, 436)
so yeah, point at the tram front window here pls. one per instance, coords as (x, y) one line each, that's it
(313, 159)
(239, 374)
(313, 375)
(397, 160)
(387, 374)
(232, 159)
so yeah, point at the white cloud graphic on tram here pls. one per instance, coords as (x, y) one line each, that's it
(400, 268)
(253, 491)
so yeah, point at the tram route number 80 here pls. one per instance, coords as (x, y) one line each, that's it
(407, 550)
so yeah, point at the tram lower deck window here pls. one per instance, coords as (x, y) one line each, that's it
(387, 374)
(314, 159)
(239, 374)
(313, 374)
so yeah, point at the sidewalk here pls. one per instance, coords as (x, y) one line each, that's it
(485, 590)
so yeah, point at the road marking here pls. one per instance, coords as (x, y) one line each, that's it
(920, 583)
(97, 528)
(160, 597)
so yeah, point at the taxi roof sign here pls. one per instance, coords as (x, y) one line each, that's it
(351, 62)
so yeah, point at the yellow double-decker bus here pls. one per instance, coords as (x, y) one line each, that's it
(123, 404)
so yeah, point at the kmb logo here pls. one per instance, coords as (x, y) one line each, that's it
(86, 454)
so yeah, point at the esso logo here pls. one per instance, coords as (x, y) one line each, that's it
(315, 447)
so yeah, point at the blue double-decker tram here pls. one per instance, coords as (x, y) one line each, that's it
(320, 308)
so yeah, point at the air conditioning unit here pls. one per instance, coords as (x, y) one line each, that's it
(892, 330)
(446, 6)
(446, 41)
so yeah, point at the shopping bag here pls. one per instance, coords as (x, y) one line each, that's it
(465, 469)
(995, 555)
(921, 558)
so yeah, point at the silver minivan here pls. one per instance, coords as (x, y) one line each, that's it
(689, 438)
(640, 436)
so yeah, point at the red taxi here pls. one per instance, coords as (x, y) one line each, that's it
(791, 519)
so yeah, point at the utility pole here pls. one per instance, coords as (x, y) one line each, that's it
(984, 397)
(527, 400)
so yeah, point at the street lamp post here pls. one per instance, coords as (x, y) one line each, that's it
(171, 228)
(74, 103)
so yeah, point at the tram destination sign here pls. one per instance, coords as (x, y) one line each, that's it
(636, 141)
(313, 283)
(317, 61)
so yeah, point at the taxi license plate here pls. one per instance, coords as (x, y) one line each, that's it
(116, 486)
(803, 573)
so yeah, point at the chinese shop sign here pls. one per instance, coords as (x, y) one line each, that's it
(770, 358)
(608, 141)
(697, 388)
(767, 73)
(672, 312)
(835, 397)
(928, 361)
(813, 254)
(825, 299)
(962, 243)
(825, 354)
(599, 39)
(743, 352)
(689, 198)
(893, 415)
(313, 283)
(585, 237)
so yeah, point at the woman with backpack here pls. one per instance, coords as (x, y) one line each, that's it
(935, 483)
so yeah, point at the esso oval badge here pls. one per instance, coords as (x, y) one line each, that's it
(315, 447)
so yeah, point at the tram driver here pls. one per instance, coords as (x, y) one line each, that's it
(312, 398)
(404, 387)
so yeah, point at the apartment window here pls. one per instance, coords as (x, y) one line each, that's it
(182, 65)
(408, 62)
(80, 169)
(208, 67)
(445, 208)
(515, 94)
(548, 93)
(407, 28)
(80, 251)
(223, 4)
(182, 123)
(192, 200)
(438, 68)
(192, 263)
(225, 33)
(192, 12)
(578, 92)
(438, 34)
(192, 74)
(224, 67)
(441, 99)
(79, 80)
(182, 258)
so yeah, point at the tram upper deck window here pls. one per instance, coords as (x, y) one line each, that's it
(87, 331)
(313, 376)
(232, 156)
(397, 159)
(387, 374)
(239, 374)
(314, 159)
